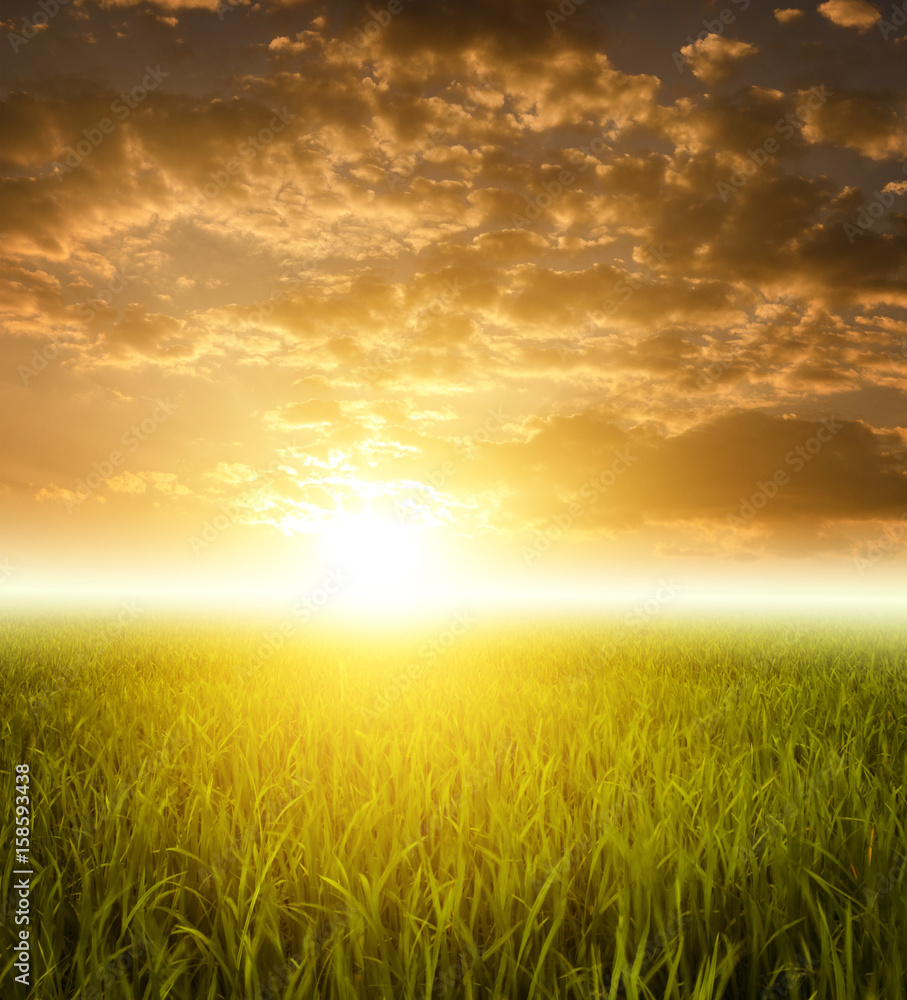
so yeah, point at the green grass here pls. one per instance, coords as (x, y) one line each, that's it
(712, 810)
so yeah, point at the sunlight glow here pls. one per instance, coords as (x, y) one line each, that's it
(389, 562)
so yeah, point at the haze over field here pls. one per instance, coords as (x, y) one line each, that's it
(454, 297)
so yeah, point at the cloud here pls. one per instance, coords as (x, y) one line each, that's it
(873, 122)
(127, 482)
(704, 473)
(310, 413)
(210, 5)
(856, 14)
(714, 59)
(788, 15)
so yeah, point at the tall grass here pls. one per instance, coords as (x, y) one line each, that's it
(702, 811)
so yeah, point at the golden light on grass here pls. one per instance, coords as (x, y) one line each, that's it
(503, 808)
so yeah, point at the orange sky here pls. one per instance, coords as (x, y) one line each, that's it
(470, 295)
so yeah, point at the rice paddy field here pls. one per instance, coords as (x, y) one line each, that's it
(471, 809)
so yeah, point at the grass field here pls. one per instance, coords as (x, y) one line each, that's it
(580, 810)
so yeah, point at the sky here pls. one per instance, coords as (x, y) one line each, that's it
(423, 299)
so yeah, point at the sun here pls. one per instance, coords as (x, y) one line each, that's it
(389, 563)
